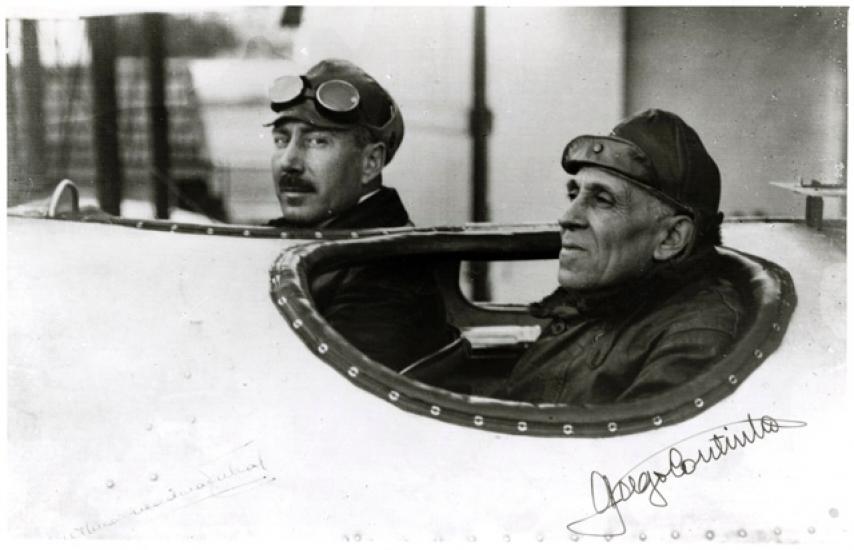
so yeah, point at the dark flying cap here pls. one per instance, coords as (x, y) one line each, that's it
(658, 151)
(376, 110)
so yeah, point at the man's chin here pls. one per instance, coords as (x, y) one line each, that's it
(571, 280)
(302, 217)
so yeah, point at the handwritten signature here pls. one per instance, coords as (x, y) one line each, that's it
(226, 481)
(607, 495)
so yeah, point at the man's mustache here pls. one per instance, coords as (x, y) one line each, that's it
(295, 184)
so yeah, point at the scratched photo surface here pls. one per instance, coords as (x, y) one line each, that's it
(169, 376)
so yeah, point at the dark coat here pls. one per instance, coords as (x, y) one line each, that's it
(391, 310)
(636, 341)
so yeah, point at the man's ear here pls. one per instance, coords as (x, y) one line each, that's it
(678, 234)
(373, 160)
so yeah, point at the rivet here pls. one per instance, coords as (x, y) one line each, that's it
(354, 234)
(435, 410)
(732, 379)
(393, 395)
(283, 234)
(322, 348)
(612, 427)
(567, 429)
(210, 231)
(776, 327)
(597, 148)
(757, 353)
(246, 233)
(139, 225)
(506, 538)
(574, 537)
(656, 420)
(282, 301)
(173, 228)
(297, 323)
(642, 536)
(478, 420)
(778, 531)
(153, 477)
(540, 537)
(742, 533)
(608, 538)
(710, 535)
(834, 513)
(353, 371)
(811, 530)
(522, 426)
(698, 403)
(674, 534)
(357, 537)
(110, 484)
(318, 235)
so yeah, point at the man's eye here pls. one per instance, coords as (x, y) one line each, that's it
(318, 140)
(280, 141)
(605, 200)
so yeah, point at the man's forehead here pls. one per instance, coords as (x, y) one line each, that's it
(591, 176)
(290, 125)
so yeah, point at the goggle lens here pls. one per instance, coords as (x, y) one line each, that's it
(338, 96)
(285, 89)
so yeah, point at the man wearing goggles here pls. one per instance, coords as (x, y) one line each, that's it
(641, 306)
(334, 131)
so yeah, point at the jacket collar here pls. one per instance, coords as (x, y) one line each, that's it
(653, 287)
(382, 209)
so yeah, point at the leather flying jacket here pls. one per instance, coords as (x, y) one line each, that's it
(634, 341)
(391, 310)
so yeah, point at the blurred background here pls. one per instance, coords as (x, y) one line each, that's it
(490, 97)
(764, 87)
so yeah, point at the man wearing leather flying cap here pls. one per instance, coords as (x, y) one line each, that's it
(334, 131)
(641, 307)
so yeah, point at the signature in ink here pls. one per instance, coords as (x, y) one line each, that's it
(225, 481)
(607, 494)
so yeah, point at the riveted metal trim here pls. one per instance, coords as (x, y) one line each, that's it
(290, 293)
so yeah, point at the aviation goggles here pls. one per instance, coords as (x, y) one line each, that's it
(339, 98)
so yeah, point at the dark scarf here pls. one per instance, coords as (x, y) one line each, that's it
(383, 209)
(654, 286)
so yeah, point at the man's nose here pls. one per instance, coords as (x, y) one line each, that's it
(574, 217)
(290, 158)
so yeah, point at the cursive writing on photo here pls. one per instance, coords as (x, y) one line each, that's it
(607, 494)
(228, 480)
